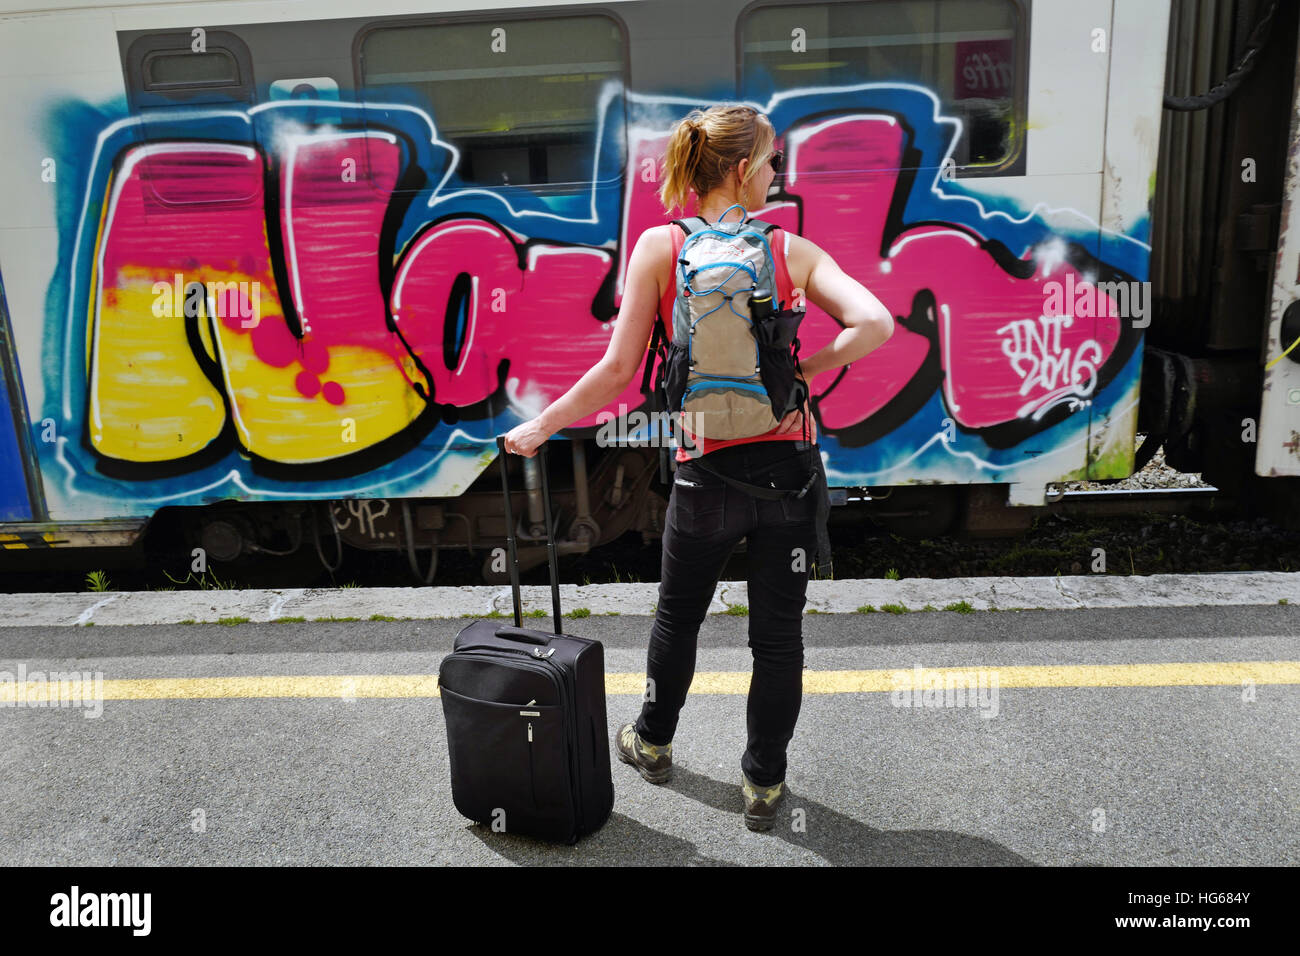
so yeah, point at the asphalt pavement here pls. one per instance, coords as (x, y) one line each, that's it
(1132, 735)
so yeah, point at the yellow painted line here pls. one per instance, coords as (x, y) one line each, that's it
(706, 682)
(1070, 675)
(216, 688)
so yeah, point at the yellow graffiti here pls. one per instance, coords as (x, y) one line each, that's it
(149, 400)
(278, 423)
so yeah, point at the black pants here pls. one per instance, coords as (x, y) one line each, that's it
(706, 520)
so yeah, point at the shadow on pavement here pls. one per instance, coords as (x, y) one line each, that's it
(622, 841)
(831, 835)
(844, 841)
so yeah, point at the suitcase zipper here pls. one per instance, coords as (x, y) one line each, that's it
(532, 765)
(570, 729)
(571, 738)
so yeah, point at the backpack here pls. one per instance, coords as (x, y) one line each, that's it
(730, 365)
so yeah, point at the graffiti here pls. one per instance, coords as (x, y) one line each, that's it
(1050, 362)
(327, 344)
(366, 512)
(390, 306)
(200, 209)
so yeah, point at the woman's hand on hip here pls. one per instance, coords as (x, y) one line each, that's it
(794, 422)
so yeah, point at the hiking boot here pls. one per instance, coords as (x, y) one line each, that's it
(652, 761)
(760, 803)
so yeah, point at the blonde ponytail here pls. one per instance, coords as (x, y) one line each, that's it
(704, 147)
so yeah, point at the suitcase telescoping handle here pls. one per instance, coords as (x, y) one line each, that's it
(513, 553)
(521, 634)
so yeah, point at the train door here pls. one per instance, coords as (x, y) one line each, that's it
(1278, 451)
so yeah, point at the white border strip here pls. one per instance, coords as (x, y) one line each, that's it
(826, 597)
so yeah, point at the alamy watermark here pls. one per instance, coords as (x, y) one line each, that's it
(948, 687)
(56, 689)
(638, 429)
(1087, 300)
(222, 300)
(132, 911)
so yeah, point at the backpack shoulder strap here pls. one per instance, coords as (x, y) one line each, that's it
(785, 287)
(678, 240)
(660, 334)
(690, 224)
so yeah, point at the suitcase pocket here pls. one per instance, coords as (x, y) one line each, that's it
(508, 761)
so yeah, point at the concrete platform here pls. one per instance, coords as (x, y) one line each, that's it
(824, 597)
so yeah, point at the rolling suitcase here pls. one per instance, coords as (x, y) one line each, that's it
(525, 711)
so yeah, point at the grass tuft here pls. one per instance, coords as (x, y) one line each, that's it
(97, 581)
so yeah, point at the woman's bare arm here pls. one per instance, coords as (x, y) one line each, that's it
(867, 323)
(607, 379)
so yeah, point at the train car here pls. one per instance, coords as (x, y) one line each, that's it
(280, 272)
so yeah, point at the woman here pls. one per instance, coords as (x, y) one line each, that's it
(725, 155)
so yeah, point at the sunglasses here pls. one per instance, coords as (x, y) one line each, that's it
(778, 161)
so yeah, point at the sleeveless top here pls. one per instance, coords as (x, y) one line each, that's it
(785, 290)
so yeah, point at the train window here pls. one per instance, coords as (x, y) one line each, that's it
(967, 52)
(164, 69)
(217, 68)
(518, 98)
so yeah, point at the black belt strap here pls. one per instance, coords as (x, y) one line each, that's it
(771, 493)
(816, 478)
